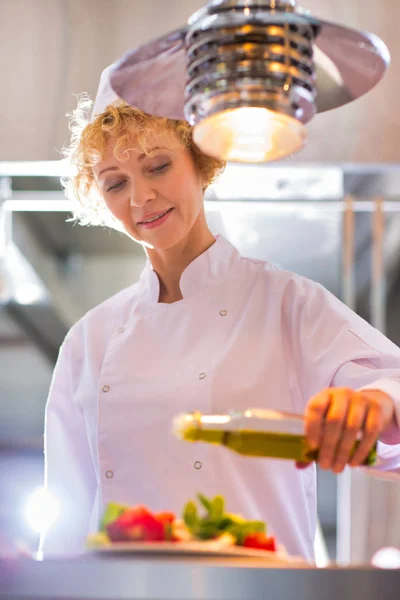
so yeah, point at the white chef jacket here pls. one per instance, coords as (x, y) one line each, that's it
(245, 334)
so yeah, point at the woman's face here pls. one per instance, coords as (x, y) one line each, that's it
(157, 198)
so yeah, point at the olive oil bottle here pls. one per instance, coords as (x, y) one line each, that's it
(254, 432)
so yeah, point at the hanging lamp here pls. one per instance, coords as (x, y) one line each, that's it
(249, 75)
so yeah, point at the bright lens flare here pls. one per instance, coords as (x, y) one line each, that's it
(41, 511)
(387, 558)
(249, 134)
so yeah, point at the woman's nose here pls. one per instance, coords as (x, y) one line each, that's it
(141, 193)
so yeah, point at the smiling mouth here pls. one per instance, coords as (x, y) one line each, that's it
(155, 218)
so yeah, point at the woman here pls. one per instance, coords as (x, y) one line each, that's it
(203, 329)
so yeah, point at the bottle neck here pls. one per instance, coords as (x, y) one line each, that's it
(252, 420)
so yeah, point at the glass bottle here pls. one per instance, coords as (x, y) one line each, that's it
(254, 432)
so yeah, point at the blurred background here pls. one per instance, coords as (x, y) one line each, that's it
(330, 212)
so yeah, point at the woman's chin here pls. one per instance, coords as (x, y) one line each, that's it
(153, 242)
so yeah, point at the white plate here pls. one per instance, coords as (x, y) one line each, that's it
(211, 548)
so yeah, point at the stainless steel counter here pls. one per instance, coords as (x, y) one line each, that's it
(206, 579)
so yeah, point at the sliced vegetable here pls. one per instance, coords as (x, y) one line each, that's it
(215, 522)
(259, 541)
(121, 523)
(136, 524)
(112, 512)
(190, 515)
(205, 502)
(165, 517)
(243, 530)
(97, 540)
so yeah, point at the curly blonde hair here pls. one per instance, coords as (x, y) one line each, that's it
(88, 144)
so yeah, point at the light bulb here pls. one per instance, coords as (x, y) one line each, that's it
(249, 134)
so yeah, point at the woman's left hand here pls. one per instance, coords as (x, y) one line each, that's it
(335, 416)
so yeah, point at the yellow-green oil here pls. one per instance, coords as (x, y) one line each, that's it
(263, 444)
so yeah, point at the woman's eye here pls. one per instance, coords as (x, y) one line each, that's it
(161, 168)
(116, 186)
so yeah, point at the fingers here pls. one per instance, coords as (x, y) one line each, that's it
(372, 428)
(356, 416)
(314, 416)
(335, 423)
(334, 419)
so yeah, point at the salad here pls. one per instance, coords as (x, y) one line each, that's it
(204, 521)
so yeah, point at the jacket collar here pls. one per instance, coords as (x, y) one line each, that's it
(206, 270)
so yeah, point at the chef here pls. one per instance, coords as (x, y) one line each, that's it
(203, 329)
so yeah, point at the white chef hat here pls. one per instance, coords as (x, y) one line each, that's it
(105, 93)
(150, 78)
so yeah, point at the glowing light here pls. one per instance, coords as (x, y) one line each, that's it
(249, 134)
(387, 558)
(41, 511)
(28, 293)
(320, 549)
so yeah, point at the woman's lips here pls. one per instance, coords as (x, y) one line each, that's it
(157, 219)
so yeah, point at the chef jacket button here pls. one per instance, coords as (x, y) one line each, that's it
(223, 313)
(202, 376)
(109, 474)
(105, 388)
(121, 330)
(197, 465)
